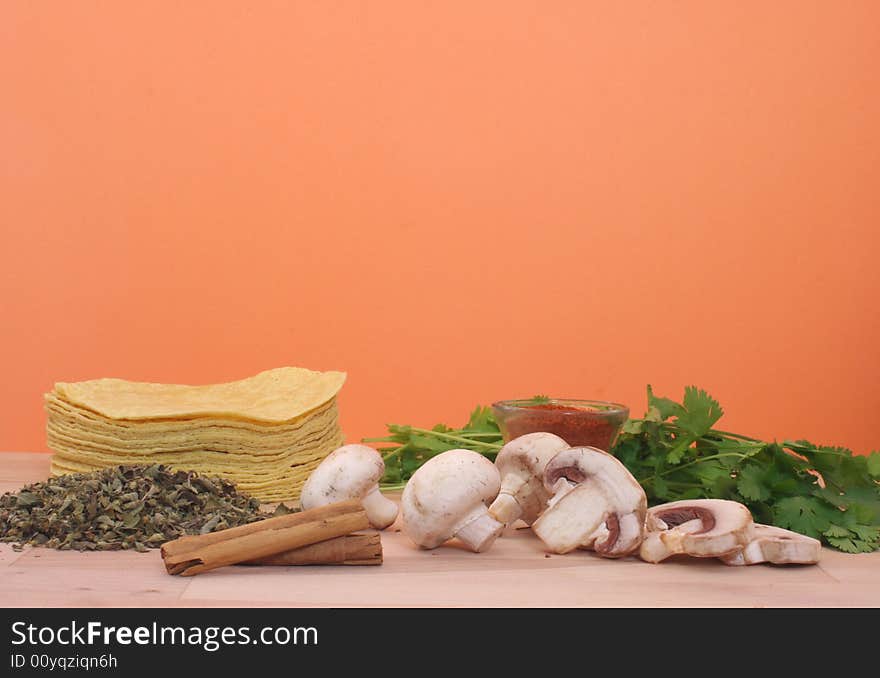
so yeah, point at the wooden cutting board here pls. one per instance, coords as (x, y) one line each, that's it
(516, 572)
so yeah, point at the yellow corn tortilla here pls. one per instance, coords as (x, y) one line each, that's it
(241, 465)
(234, 439)
(252, 452)
(59, 409)
(274, 396)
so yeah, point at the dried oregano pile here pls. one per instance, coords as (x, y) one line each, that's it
(122, 507)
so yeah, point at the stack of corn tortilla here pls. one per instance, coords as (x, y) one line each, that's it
(265, 433)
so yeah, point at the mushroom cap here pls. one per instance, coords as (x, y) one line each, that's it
(348, 472)
(771, 544)
(446, 493)
(576, 464)
(703, 528)
(599, 505)
(521, 463)
(530, 452)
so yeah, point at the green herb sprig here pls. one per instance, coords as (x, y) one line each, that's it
(410, 447)
(821, 491)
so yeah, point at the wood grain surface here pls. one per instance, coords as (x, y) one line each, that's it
(516, 572)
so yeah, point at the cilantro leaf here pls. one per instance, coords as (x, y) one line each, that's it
(806, 515)
(410, 461)
(665, 407)
(853, 537)
(428, 443)
(701, 411)
(661, 488)
(836, 531)
(482, 420)
(872, 463)
(634, 426)
(849, 545)
(414, 446)
(711, 471)
(867, 533)
(751, 484)
(844, 544)
(675, 455)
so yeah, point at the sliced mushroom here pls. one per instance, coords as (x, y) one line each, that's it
(771, 544)
(351, 472)
(447, 497)
(521, 463)
(704, 528)
(596, 504)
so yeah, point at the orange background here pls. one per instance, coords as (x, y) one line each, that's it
(454, 202)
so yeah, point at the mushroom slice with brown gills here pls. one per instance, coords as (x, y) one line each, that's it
(351, 472)
(597, 504)
(775, 545)
(521, 463)
(704, 528)
(447, 497)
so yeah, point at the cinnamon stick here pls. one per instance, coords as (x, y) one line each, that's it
(360, 548)
(192, 555)
(192, 542)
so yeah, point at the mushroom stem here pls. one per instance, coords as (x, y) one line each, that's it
(505, 508)
(521, 463)
(560, 488)
(380, 509)
(481, 532)
(576, 521)
(774, 545)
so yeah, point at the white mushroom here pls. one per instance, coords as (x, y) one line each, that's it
(521, 464)
(351, 472)
(596, 504)
(771, 544)
(447, 497)
(704, 528)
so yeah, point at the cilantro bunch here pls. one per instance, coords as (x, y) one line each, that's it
(821, 491)
(675, 453)
(411, 446)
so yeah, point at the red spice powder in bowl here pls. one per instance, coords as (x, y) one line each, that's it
(595, 423)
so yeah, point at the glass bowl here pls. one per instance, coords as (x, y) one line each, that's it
(595, 423)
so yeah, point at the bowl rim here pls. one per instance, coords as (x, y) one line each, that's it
(605, 407)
